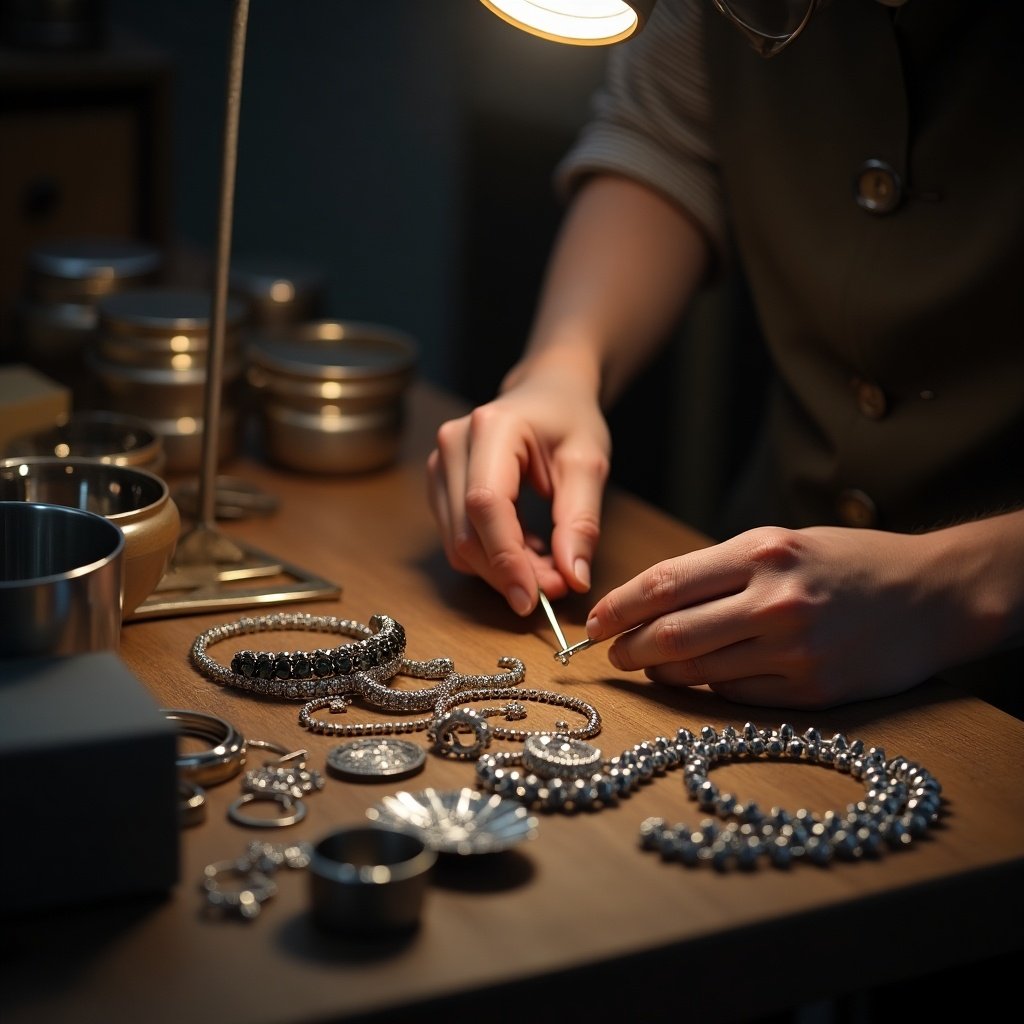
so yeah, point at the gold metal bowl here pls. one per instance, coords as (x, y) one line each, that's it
(102, 436)
(135, 500)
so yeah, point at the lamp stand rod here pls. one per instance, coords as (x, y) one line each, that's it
(206, 561)
(225, 222)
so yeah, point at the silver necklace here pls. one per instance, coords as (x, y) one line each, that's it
(901, 801)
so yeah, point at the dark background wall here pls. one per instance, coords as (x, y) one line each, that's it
(400, 147)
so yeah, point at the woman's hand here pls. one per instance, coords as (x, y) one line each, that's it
(545, 430)
(816, 617)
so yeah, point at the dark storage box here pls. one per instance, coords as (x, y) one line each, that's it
(88, 761)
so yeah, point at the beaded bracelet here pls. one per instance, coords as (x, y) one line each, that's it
(902, 799)
(300, 675)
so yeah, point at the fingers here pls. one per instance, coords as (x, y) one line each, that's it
(576, 514)
(473, 481)
(707, 642)
(475, 478)
(768, 691)
(477, 520)
(676, 583)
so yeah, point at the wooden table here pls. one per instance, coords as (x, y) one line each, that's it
(579, 918)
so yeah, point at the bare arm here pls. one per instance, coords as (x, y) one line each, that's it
(626, 262)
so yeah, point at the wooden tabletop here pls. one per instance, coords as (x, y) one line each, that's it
(579, 915)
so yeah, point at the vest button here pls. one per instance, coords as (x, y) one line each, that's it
(856, 509)
(878, 188)
(871, 400)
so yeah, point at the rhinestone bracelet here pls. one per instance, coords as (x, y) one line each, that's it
(902, 800)
(393, 699)
(299, 675)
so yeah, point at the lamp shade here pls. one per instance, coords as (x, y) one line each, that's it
(581, 22)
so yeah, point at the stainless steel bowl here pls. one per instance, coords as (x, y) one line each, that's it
(61, 579)
(136, 501)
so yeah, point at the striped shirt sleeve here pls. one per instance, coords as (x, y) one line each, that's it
(651, 120)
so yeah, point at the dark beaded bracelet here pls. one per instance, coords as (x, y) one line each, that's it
(377, 654)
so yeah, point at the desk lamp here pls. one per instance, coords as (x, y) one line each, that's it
(580, 22)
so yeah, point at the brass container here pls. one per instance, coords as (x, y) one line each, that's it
(56, 318)
(136, 501)
(277, 291)
(102, 436)
(331, 394)
(149, 360)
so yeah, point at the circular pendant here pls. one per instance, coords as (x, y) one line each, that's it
(559, 756)
(376, 757)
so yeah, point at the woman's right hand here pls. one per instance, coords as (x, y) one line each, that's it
(546, 430)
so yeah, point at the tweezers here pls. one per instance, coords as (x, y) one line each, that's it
(565, 652)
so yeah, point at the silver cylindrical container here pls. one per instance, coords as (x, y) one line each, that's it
(331, 394)
(277, 291)
(56, 317)
(149, 360)
(61, 580)
(369, 880)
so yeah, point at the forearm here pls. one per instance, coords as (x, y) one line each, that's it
(626, 263)
(980, 566)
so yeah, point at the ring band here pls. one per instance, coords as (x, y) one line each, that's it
(293, 810)
(218, 763)
(253, 889)
(191, 804)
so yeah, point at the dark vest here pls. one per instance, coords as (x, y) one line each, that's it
(875, 174)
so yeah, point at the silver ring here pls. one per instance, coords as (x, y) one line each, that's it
(284, 754)
(220, 762)
(191, 803)
(293, 810)
(254, 888)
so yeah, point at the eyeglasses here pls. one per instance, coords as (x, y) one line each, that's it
(769, 25)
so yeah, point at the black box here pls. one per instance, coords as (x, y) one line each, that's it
(88, 762)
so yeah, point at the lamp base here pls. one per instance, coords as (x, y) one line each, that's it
(207, 570)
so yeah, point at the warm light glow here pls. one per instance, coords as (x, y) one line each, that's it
(330, 389)
(183, 361)
(583, 22)
(282, 291)
(179, 343)
(187, 425)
